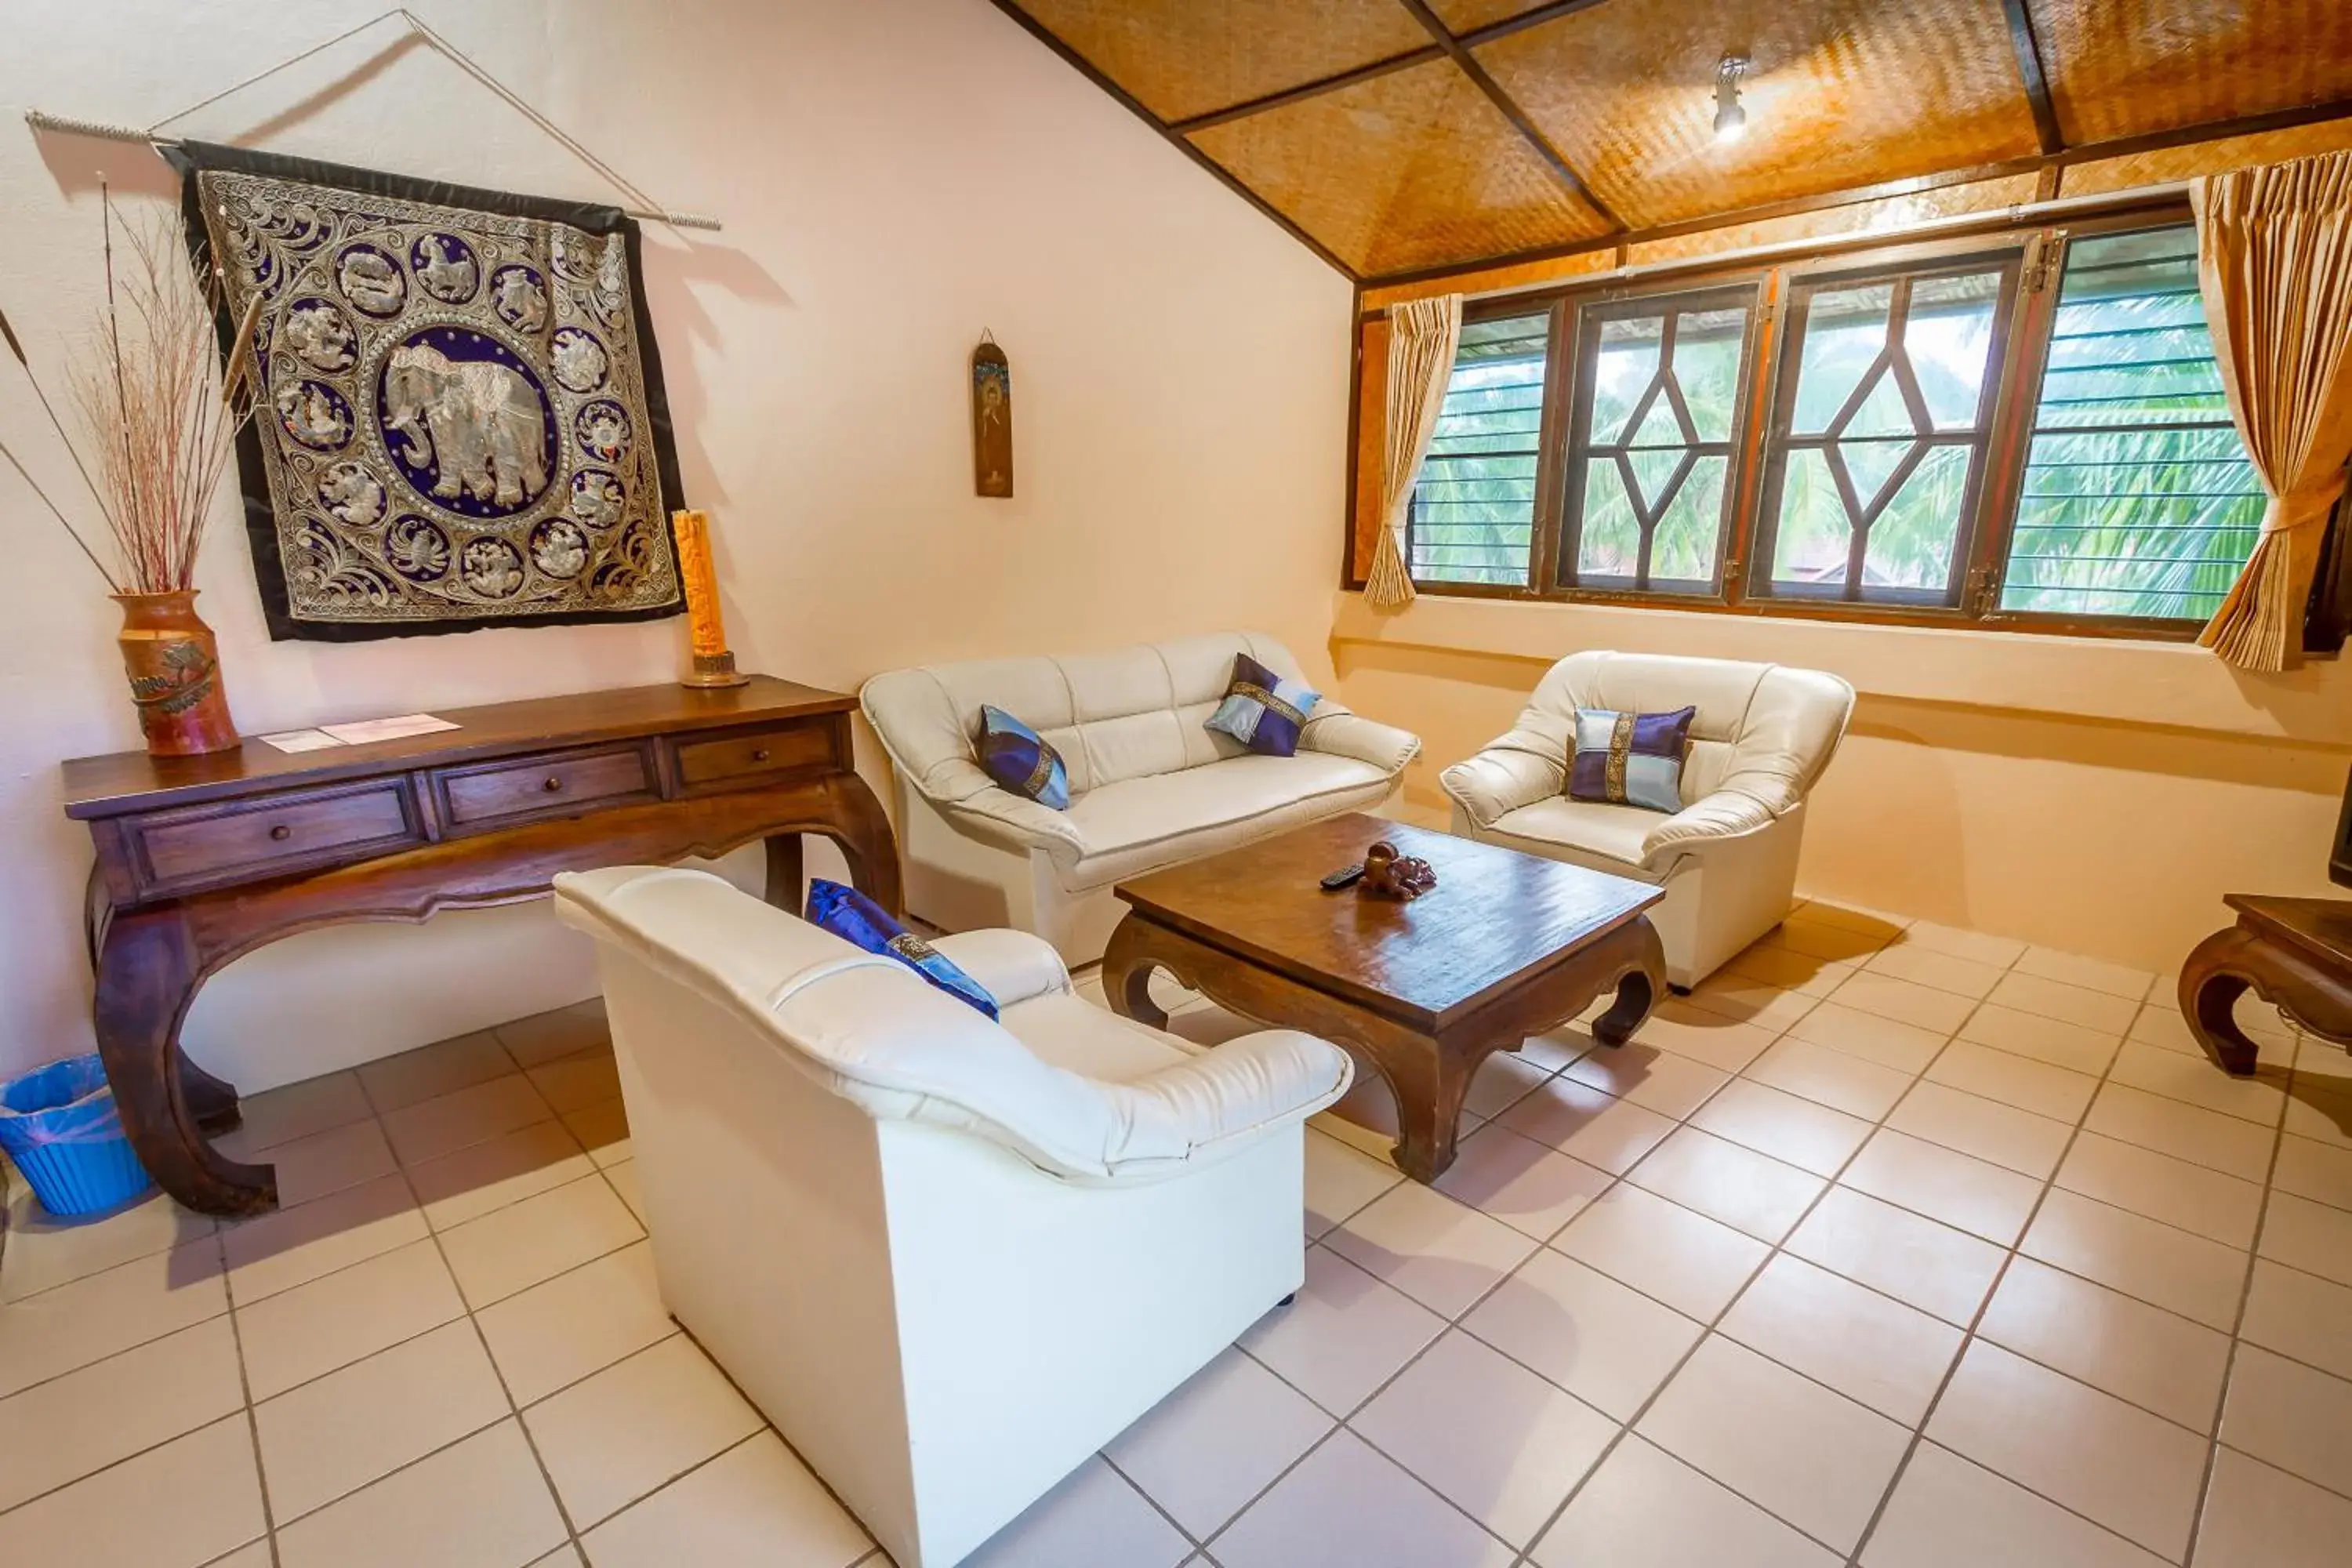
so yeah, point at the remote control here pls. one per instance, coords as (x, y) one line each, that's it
(1343, 878)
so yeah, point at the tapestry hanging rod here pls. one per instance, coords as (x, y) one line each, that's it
(153, 135)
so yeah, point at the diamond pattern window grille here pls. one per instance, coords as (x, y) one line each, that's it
(1881, 446)
(1657, 403)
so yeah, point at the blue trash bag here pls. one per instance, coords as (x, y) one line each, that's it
(60, 1125)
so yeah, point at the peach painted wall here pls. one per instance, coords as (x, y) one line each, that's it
(894, 176)
(2096, 795)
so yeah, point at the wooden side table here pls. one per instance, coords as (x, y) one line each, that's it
(2296, 953)
(203, 859)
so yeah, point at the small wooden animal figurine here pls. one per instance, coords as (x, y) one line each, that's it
(1389, 874)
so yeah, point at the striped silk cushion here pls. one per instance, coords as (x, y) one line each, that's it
(1261, 711)
(1630, 759)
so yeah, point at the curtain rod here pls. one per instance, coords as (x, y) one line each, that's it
(2017, 212)
(648, 209)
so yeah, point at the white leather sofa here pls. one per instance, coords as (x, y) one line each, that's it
(1149, 785)
(949, 1259)
(1727, 861)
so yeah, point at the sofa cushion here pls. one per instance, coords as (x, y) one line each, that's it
(1018, 759)
(1624, 758)
(1263, 711)
(1610, 838)
(1075, 1035)
(860, 922)
(1139, 824)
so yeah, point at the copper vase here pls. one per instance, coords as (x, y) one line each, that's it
(174, 669)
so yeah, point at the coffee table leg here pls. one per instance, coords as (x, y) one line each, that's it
(1428, 1086)
(1127, 976)
(1637, 989)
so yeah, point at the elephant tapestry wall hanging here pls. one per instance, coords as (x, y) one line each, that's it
(462, 421)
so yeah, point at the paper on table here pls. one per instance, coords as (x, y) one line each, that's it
(368, 730)
(300, 740)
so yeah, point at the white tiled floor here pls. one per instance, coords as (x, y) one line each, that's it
(1904, 1247)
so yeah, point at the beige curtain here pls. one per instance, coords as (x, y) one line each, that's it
(1422, 338)
(2274, 264)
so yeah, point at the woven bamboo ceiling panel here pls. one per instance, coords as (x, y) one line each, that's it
(1407, 136)
(1469, 16)
(1841, 93)
(1413, 169)
(2121, 67)
(1183, 58)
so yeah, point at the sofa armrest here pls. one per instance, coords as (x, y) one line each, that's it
(1011, 965)
(1716, 818)
(1245, 1087)
(1501, 779)
(977, 805)
(1347, 734)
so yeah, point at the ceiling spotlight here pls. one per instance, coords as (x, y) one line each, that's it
(1730, 119)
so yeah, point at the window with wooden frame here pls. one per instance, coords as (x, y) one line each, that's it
(2019, 427)
(1875, 455)
(1659, 388)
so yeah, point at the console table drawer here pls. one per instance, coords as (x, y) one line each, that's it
(745, 759)
(200, 845)
(548, 784)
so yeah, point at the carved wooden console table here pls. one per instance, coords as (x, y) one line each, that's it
(2295, 953)
(203, 859)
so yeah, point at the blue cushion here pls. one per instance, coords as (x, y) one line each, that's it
(1630, 759)
(1261, 711)
(857, 919)
(1018, 758)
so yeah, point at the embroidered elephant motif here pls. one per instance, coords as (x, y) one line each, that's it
(478, 424)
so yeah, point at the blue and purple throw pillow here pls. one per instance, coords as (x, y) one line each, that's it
(860, 922)
(1019, 759)
(1261, 711)
(1630, 759)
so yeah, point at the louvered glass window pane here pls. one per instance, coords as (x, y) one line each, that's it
(1474, 507)
(2138, 497)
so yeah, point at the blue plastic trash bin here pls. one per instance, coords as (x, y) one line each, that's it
(60, 1125)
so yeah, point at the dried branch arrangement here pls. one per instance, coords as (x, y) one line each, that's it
(142, 389)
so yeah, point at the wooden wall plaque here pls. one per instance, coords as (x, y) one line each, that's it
(991, 420)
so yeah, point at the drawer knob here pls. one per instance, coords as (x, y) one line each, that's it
(281, 833)
(760, 755)
(553, 786)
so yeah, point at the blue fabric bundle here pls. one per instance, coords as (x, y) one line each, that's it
(1261, 711)
(1018, 758)
(858, 919)
(1630, 759)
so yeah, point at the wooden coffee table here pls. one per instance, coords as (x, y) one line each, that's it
(1508, 945)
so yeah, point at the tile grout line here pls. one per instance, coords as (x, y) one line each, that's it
(2237, 1326)
(1707, 1329)
(252, 1412)
(1970, 1336)
(1711, 1328)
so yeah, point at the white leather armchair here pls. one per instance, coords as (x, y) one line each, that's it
(1727, 861)
(949, 1259)
(1149, 785)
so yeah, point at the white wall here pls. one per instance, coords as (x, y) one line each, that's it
(894, 176)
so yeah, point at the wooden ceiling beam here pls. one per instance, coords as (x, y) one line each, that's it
(2028, 45)
(1377, 68)
(2084, 153)
(1083, 67)
(1428, 53)
(1468, 65)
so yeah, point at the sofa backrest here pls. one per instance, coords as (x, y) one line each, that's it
(1130, 712)
(861, 1025)
(1766, 730)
